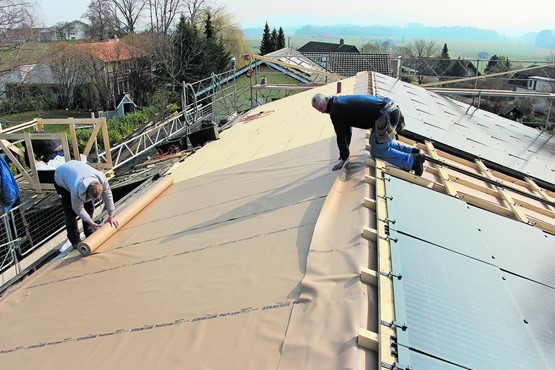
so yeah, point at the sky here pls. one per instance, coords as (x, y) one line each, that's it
(506, 17)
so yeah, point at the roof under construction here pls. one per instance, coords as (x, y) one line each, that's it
(258, 256)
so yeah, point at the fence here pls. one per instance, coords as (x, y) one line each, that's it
(23, 231)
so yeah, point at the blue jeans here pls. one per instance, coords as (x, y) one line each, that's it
(392, 152)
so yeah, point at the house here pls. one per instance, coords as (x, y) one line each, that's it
(345, 60)
(75, 30)
(436, 67)
(24, 34)
(539, 80)
(114, 60)
(35, 78)
(327, 47)
(350, 63)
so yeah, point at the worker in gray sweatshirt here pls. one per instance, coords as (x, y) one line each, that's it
(79, 186)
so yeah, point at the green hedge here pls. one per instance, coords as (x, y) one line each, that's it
(118, 128)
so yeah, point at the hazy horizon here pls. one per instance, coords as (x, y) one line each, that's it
(493, 15)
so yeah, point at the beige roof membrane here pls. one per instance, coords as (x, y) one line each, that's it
(222, 269)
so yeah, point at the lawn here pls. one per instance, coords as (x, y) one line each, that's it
(465, 48)
(8, 120)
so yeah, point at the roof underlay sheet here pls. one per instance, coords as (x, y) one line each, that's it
(252, 259)
(221, 271)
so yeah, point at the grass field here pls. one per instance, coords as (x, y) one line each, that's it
(56, 113)
(465, 48)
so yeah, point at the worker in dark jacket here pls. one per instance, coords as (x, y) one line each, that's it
(369, 112)
(79, 186)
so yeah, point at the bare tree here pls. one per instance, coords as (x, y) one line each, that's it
(162, 14)
(65, 63)
(420, 48)
(131, 11)
(101, 17)
(16, 20)
(195, 11)
(229, 32)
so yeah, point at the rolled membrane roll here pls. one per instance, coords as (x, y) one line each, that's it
(96, 239)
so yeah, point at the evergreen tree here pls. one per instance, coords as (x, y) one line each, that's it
(281, 39)
(215, 55)
(274, 39)
(208, 27)
(445, 52)
(444, 61)
(498, 64)
(266, 43)
(188, 47)
(458, 68)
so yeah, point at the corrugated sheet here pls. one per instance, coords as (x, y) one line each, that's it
(458, 304)
(472, 130)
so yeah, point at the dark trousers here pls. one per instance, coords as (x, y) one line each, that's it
(71, 217)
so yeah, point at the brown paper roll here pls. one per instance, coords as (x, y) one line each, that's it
(95, 240)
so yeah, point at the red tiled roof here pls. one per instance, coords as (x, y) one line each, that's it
(111, 51)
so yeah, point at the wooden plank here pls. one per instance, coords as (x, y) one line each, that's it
(73, 135)
(443, 175)
(13, 148)
(539, 191)
(394, 171)
(18, 165)
(543, 225)
(29, 148)
(479, 202)
(386, 311)
(368, 339)
(369, 276)
(369, 233)
(39, 126)
(92, 138)
(369, 179)
(517, 212)
(20, 127)
(106, 142)
(370, 203)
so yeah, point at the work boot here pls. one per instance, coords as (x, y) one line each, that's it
(418, 165)
(415, 151)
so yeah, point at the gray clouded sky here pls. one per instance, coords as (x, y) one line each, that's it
(505, 16)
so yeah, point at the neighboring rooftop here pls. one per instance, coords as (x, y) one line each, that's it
(327, 47)
(110, 51)
(349, 64)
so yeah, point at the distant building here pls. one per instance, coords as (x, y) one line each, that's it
(25, 34)
(327, 47)
(75, 30)
(28, 77)
(532, 82)
(345, 60)
(115, 59)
